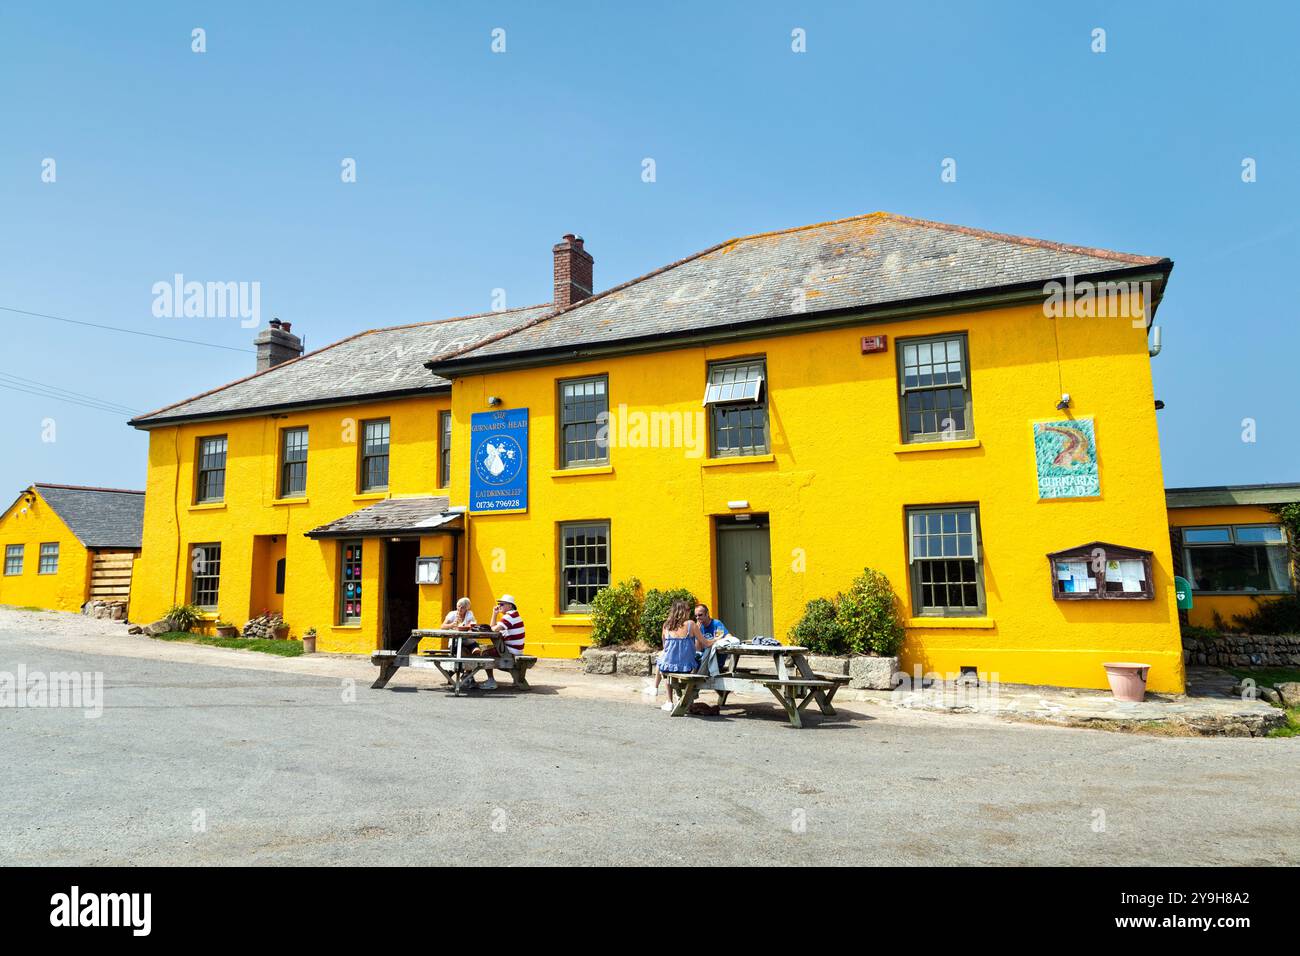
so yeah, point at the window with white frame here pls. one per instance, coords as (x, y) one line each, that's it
(584, 408)
(736, 397)
(1237, 558)
(944, 557)
(49, 559)
(13, 559)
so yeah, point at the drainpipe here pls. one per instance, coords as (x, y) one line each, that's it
(1154, 350)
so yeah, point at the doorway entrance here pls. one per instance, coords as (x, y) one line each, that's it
(401, 593)
(745, 576)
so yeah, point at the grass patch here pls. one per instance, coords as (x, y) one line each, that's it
(1266, 676)
(1292, 728)
(278, 648)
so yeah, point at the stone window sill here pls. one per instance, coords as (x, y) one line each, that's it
(977, 623)
(924, 446)
(738, 460)
(579, 472)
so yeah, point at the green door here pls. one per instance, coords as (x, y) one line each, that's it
(745, 579)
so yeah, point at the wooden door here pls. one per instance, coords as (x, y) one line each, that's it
(745, 579)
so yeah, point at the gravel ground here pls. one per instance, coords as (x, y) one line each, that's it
(207, 756)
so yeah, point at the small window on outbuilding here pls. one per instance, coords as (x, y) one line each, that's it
(1101, 571)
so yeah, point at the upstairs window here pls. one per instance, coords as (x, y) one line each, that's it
(205, 575)
(736, 397)
(13, 559)
(211, 483)
(374, 455)
(1237, 558)
(49, 559)
(944, 555)
(584, 408)
(293, 462)
(934, 389)
(444, 449)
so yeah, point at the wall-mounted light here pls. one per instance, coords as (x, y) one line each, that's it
(456, 510)
(1064, 403)
(735, 505)
(493, 401)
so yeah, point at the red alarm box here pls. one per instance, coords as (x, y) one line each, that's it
(875, 343)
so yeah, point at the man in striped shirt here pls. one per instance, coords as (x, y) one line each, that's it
(506, 622)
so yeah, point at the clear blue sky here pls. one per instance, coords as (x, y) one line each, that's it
(225, 166)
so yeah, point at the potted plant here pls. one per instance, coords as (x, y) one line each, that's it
(226, 629)
(309, 641)
(1128, 681)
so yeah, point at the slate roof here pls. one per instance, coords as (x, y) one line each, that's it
(1218, 495)
(859, 263)
(373, 364)
(99, 517)
(391, 516)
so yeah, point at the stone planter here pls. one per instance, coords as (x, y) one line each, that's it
(636, 663)
(596, 660)
(1128, 681)
(873, 673)
(309, 644)
(227, 630)
(826, 664)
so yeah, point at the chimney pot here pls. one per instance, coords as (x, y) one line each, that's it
(573, 271)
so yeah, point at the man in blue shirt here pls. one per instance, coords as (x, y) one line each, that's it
(710, 626)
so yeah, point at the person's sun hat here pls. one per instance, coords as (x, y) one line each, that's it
(507, 599)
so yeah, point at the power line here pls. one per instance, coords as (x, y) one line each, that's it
(115, 328)
(63, 398)
(67, 392)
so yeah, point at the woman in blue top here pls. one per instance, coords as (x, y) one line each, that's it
(682, 638)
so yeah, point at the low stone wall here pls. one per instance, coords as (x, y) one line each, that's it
(1244, 650)
(113, 610)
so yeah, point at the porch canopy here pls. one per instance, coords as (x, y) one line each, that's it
(395, 517)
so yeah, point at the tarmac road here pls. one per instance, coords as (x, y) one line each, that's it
(192, 763)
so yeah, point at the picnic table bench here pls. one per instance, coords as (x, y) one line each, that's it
(794, 684)
(453, 663)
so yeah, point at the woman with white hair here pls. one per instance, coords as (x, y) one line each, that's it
(462, 618)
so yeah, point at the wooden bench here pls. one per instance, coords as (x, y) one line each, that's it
(792, 693)
(453, 668)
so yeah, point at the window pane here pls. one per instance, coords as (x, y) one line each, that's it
(13, 559)
(1238, 568)
(205, 575)
(584, 570)
(1207, 536)
(1267, 533)
(583, 403)
(49, 559)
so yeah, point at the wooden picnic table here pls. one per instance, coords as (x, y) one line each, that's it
(795, 684)
(454, 663)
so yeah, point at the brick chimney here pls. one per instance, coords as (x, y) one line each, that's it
(276, 344)
(572, 271)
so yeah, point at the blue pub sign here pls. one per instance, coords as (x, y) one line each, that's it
(498, 468)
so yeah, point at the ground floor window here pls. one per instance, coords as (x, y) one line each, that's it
(944, 556)
(13, 559)
(584, 563)
(1247, 558)
(350, 582)
(205, 575)
(49, 562)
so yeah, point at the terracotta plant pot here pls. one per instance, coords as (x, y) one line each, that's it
(282, 632)
(228, 631)
(309, 644)
(1128, 681)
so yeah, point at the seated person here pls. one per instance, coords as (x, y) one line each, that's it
(682, 640)
(710, 626)
(510, 626)
(461, 619)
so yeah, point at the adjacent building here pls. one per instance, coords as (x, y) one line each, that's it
(65, 545)
(969, 412)
(1230, 546)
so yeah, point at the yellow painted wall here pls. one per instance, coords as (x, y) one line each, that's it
(1227, 606)
(251, 510)
(837, 483)
(31, 525)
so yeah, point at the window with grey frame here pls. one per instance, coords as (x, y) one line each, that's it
(584, 563)
(736, 399)
(211, 483)
(293, 462)
(444, 449)
(583, 402)
(374, 455)
(1235, 559)
(934, 388)
(48, 562)
(944, 559)
(13, 559)
(205, 575)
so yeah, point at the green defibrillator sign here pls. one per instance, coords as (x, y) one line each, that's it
(1183, 589)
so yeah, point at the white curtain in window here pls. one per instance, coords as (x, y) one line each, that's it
(1277, 566)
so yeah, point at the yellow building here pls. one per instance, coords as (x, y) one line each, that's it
(756, 422)
(65, 545)
(1230, 547)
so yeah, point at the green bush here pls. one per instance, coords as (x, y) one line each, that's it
(1272, 616)
(819, 629)
(868, 616)
(616, 613)
(183, 616)
(657, 605)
